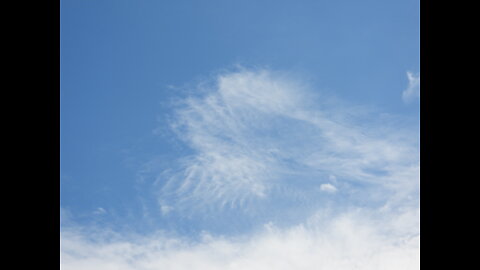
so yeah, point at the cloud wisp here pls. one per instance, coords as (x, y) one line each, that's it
(413, 90)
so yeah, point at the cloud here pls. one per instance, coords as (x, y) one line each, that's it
(413, 90)
(256, 135)
(165, 209)
(99, 211)
(264, 144)
(328, 188)
(353, 240)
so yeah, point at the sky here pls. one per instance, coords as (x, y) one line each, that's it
(239, 134)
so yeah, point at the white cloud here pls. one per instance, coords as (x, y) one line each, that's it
(257, 136)
(99, 211)
(354, 240)
(413, 90)
(328, 188)
(255, 133)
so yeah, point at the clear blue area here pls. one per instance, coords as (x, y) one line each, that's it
(118, 59)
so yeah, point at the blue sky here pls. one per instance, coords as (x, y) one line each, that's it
(229, 118)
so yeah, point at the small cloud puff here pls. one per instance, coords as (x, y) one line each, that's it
(328, 188)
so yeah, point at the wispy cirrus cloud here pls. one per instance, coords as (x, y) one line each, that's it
(413, 90)
(257, 134)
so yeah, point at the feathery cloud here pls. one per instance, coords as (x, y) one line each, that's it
(256, 135)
